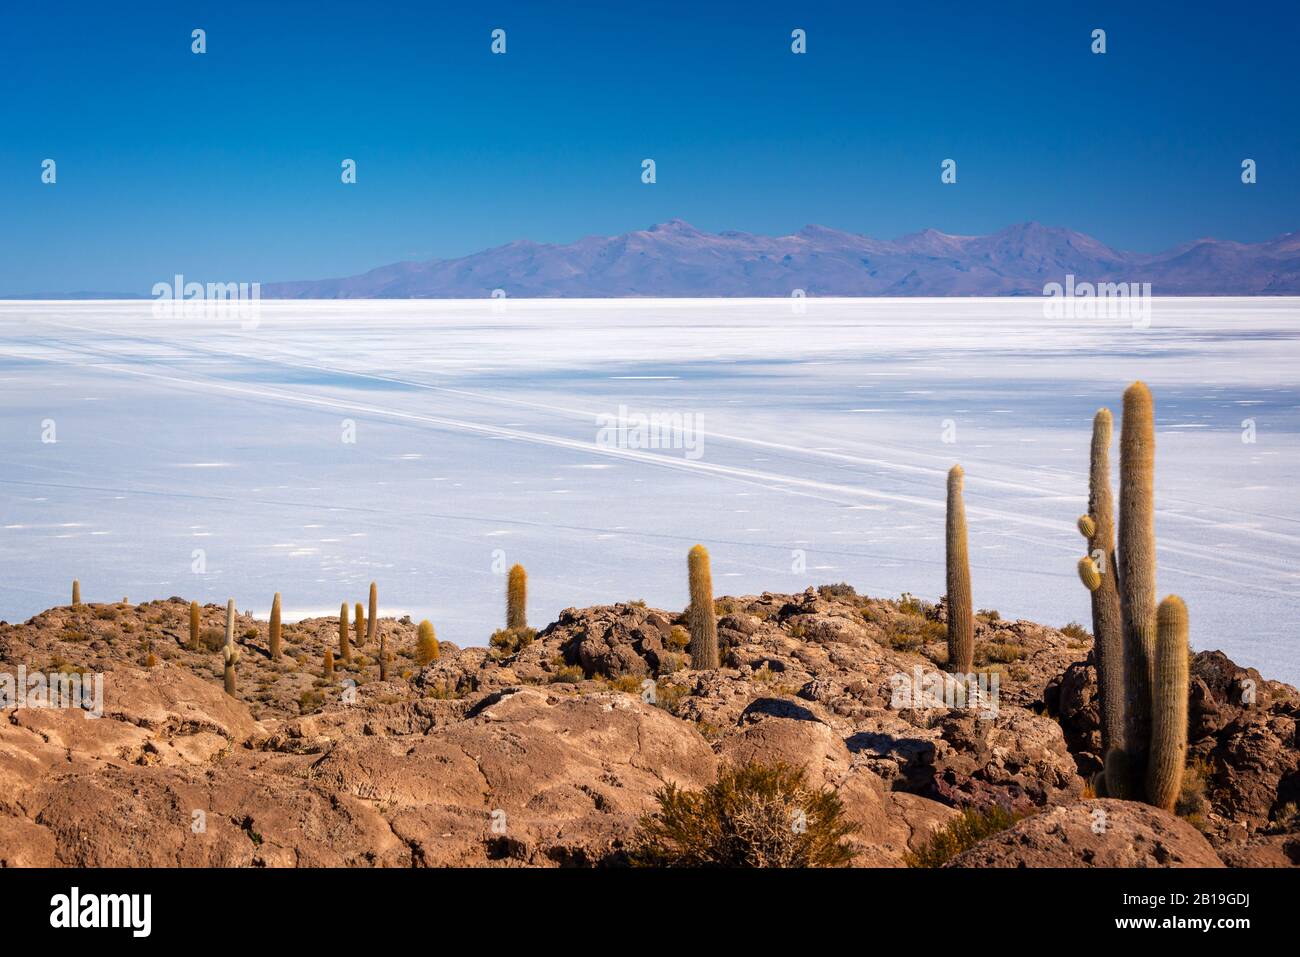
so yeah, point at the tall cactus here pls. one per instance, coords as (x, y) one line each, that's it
(517, 598)
(961, 620)
(345, 650)
(194, 626)
(703, 623)
(1168, 755)
(76, 593)
(1101, 578)
(230, 654)
(230, 623)
(328, 670)
(359, 626)
(275, 627)
(1137, 572)
(383, 656)
(372, 623)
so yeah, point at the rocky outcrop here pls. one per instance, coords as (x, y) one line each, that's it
(1098, 833)
(1243, 753)
(549, 756)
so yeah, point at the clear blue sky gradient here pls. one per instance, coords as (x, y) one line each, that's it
(225, 166)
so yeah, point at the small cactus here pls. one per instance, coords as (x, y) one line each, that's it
(1168, 756)
(76, 593)
(372, 623)
(383, 656)
(1089, 575)
(517, 598)
(426, 645)
(275, 628)
(230, 654)
(329, 665)
(961, 621)
(700, 616)
(194, 626)
(345, 650)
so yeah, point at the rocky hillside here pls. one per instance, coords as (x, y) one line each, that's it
(550, 755)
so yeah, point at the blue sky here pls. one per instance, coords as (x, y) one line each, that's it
(225, 166)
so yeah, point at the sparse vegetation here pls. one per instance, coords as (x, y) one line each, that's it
(510, 641)
(1076, 633)
(960, 834)
(752, 816)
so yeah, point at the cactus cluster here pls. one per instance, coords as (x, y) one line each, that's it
(1141, 652)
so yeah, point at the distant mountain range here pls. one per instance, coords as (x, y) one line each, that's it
(677, 260)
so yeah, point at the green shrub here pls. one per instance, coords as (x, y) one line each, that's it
(998, 652)
(960, 834)
(752, 816)
(1076, 631)
(840, 590)
(510, 641)
(567, 675)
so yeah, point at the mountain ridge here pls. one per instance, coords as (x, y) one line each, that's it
(676, 259)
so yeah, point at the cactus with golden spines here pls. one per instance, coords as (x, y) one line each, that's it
(517, 598)
(1169, 686)
(194, 626)
(274, 639)
(700, 616)
(1101, 578)
(329, 665)
(230, 655)
(372, 623)
(76, 593)
(383, 656)
(1089, 575)
(345, 650)
(359, 626)
(961, 619)
(426, 645)
(1137, 572)
(1141, 653)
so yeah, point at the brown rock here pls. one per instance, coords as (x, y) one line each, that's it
(1098, 833)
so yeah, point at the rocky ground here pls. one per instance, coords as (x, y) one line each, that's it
(549, 756)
